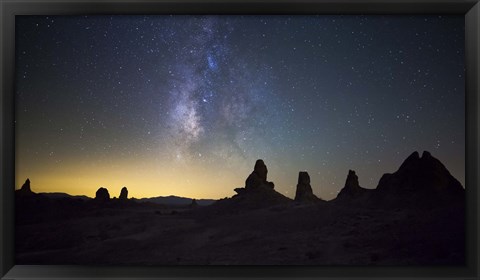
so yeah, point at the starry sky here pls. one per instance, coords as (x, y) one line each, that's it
(185, 105)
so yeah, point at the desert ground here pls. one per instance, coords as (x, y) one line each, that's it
(283, 234)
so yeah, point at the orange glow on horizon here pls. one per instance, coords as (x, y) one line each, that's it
(141, 181)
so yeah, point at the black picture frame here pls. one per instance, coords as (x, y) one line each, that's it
(10, 8)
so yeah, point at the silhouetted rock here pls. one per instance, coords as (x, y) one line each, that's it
(258, 178)
(352, 189)
(304, 191)
(26, 186)
(123, 194)
(420, 178)
(258, 192)
(240, 190)
(102, 195)
(252, 199)
(25, 190)
(194, 203)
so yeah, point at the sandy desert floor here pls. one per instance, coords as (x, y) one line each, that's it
(287, 234)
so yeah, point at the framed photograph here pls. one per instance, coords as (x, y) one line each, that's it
(251, 140)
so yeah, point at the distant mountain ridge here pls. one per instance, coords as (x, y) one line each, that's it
(175, 200)
(64, 195)
(164, 200)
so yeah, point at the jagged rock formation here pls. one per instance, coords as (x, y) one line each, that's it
(304, 191)
(26, 186)
(352, 189)
(422, 178)
(123, 194)
(102, 195)
(25, 189)
(258, 178)
(258, 192)
(420, 181)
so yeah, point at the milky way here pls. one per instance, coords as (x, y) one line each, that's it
(186, 104)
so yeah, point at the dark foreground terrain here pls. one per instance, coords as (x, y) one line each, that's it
(416, 216)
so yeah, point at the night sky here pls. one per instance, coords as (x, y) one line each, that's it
(185, 105)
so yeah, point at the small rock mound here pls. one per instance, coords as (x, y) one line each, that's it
(123, 194)
(304, 191)
(102, 195)
(352, 189)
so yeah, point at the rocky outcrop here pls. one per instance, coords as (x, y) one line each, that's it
(258, 178)
(123, 194)
(257, 193)
(26, 186)
(25, 190)
(102, 195)
(352, 189)
(419, 182)
(304, 193)
(423, 178)
(240, 190)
